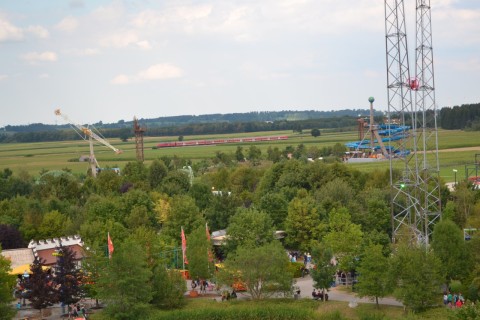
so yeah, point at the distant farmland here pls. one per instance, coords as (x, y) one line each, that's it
(34, 157)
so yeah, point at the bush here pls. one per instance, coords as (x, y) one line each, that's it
(468, 312)
(296, 269)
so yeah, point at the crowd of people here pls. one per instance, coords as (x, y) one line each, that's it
(76, 310)
(453, 300)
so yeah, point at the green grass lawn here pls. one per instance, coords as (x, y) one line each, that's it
(303, 309)
(33, 157)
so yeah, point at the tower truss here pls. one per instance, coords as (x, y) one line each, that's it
(415, 202)
(139, 132)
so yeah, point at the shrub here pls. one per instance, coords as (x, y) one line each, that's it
(296, 269)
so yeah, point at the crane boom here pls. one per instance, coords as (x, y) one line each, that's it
(87, 132)
(91, 136)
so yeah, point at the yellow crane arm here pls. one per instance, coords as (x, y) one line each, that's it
(88, 132)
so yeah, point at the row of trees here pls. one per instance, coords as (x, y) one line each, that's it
(461, 117)
(339, 123)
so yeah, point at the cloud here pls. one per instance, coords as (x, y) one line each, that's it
(44, 76)
(3, 77)
(144, 45)
(83, 52)
(156, 72)
(38, 31)
(120, 40)
(68, 24)
(120, 79)
(9, 32)
(35, 57)
(160, 71)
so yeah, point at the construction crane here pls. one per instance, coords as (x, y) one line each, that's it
(85, 132)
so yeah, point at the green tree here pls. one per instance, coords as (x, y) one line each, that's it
(274, 154)
(156, 173)
(239, 154)
(108, 182)
(417, 277)
(254, 155)
(315, 133)
(168, 288)
(249, 228)
(53, 225)
(464, 199)
(374, 274)
(221, 209)
(135, 172)
(198, 250)
(125, 283)
(263, 270)
(202, 194)
(344, 238)
(176, 182)
(322, 274)
(183, 213)
(7, 282)
(275, 205)
(449, 246)
(303, 224)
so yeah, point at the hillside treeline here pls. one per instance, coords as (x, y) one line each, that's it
(344, 123)
(465, 117)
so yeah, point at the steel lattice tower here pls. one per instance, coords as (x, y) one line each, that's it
(139, 132)
(415, 203)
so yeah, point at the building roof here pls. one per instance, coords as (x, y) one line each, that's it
(45, 248)
(19, 257)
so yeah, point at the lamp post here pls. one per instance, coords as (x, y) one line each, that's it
(455, 175)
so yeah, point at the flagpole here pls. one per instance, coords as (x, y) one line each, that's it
(183, 249)
(208, 247)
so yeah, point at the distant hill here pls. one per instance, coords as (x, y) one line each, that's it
(263, 116)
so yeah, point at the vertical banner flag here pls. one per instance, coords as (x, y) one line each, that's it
(110, 246)
(210, 255)
(184, 248)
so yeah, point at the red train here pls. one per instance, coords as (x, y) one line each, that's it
(218, 141)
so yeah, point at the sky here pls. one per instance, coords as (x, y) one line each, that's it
(113, 60)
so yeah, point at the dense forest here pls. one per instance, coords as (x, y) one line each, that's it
(326, 208)
(465, 117)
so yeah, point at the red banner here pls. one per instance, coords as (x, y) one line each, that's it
(184, 248)
(110, 246)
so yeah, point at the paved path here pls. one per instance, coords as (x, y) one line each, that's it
(306, 287)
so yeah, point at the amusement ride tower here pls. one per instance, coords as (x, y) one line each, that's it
(414, 175)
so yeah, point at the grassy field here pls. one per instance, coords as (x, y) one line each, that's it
(34, 157)
(304, 309)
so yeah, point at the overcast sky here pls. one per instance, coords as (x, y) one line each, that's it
(111, 60)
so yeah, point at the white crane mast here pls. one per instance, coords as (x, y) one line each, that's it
(91, 135)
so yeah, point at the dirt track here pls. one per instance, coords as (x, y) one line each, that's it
(460, 149)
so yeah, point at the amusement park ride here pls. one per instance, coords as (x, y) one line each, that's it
(375, 148)
(409, 137)
(414, 176)
(85, 132)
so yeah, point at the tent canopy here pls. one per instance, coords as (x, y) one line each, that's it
(24, 268)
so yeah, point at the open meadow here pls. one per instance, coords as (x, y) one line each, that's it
(456, 150)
